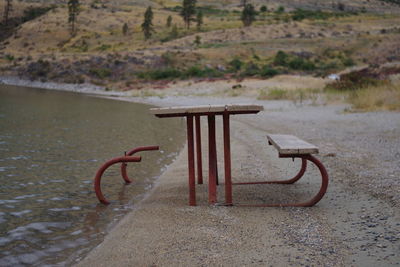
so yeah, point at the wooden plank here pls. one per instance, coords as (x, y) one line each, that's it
(291, 145)
(180, 111)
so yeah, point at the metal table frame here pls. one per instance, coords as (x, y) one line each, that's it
(211, 111)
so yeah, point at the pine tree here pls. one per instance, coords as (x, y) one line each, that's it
(169, 21)
(263, 9)
(248, 15)
(7, 11)
(243, 3)
(197, 40)
(188, 11)
(174, 32)
(73, 12)
(125, 29)
(147, 25)
(199, 20)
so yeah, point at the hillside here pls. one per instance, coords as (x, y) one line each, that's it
(330, 37)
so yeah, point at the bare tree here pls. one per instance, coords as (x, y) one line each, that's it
(7, 11)
(199, 20)
(73, 11)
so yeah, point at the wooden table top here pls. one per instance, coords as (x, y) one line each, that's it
(206, 110)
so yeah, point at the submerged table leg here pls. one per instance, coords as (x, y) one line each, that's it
(192, 181)
(198, 150)
(227, 160)
(212, 161)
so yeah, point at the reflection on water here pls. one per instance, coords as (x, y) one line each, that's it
(51, 144)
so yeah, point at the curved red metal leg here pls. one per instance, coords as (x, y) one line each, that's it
(142, 148)
(130, 153)
(317, 197)
(125, 174)
(324, 185)
(289, 181)
(103, 168)
(294, 179)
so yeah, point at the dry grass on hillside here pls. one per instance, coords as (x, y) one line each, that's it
(384, 97)
(100, 30)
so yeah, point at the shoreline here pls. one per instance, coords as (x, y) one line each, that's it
(85, 88)
(356, 223)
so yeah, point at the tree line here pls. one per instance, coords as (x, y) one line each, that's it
(189, 13)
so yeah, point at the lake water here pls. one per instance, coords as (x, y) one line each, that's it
(51, 144)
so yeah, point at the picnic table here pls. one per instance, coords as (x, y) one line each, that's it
(195, 112)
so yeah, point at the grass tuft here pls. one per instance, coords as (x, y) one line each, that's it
(376, 98)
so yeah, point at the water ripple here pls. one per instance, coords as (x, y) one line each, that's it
(20, 213)
(65, 209)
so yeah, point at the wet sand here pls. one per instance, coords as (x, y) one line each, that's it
(357, 223)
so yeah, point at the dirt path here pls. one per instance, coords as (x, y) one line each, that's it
(356, 224)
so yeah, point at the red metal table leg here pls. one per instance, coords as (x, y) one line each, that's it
(198, 150)
(212, 163)
(227, 160)
(130, 153)
(103, 168)
(192, 181)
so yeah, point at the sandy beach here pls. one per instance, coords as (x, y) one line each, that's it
(357, 223)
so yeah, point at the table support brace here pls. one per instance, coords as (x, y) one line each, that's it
(212, 164)
(192, 179)
(316, 198)
(198, 150)
(227, 160)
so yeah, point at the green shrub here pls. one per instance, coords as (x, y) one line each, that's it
(281, 58)
(267, 71)
(194, 71)
(280, 10)
(236, 64)
(251, 70)
(348, 62)
(9, 57)
(299, 63)
(199, 72)
(263, 9)
(103, 47)
(300, 14)
(328, 66)
(197, 40)
(167, 73)
(172, 73)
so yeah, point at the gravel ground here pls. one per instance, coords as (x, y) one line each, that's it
(357, 223)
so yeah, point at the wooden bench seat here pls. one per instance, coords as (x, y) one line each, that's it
(290, 146)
